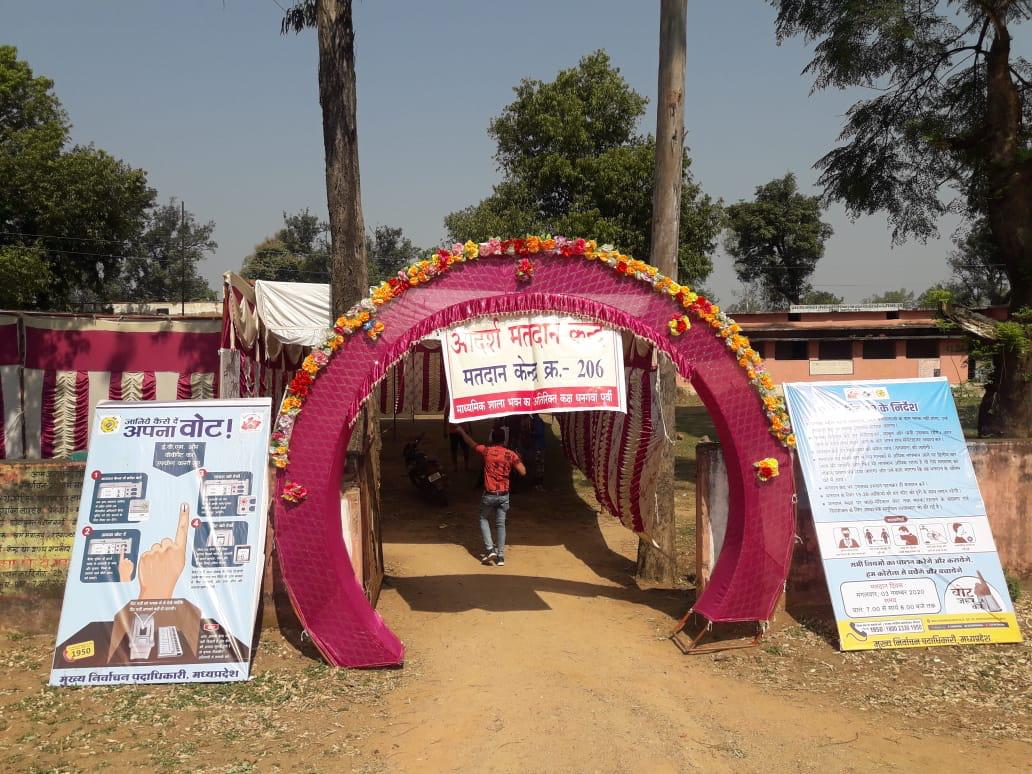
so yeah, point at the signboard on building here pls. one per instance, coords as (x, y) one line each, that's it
(908, 554)
(523, 365)
(796, 308)
(169, 545)
(831, 367)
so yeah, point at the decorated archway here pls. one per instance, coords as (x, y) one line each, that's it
(516, 277)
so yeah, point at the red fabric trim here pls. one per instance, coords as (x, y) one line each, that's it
(46, 436)
(246, 375)
(643, 449)
(399, 388)
(115, 386)
(64, 350)
(10, 353)
(442, 381)
(636, 524)
(184, 390)
(3, 428)
(225, 335)
(605, 428)
(149, 391)
(425, 357)
(81, 433)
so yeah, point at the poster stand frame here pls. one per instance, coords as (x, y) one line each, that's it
(695, 648)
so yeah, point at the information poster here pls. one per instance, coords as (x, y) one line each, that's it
(166, 565)
(907, 550)
(524, 365)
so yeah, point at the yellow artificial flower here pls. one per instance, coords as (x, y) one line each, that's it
(471, 249)
(290, 403)
(280, 462)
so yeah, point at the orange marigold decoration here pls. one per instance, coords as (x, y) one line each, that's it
(362, 317)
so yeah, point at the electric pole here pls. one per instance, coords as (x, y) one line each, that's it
(654, 564)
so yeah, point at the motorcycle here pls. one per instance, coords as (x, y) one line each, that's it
(425, 473)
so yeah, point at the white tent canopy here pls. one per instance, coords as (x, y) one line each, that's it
(294, 312)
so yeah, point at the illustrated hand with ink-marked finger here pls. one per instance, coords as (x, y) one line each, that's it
(125, 568)
(161, 566)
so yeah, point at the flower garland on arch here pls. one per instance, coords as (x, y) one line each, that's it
(361, 319)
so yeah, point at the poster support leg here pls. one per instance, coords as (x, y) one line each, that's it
(694, 648)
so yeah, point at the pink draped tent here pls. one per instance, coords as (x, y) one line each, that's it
(753, 563)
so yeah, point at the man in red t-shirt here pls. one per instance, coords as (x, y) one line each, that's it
(498, 463)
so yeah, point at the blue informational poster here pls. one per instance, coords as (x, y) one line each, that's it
(169, 547)
(908, 555)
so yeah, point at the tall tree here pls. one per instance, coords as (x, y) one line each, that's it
(777, 239)
(572, 163)
(349, 280)
(656, 560)
(979, 275)
(953, 106)
(75, 208)
(165, 256)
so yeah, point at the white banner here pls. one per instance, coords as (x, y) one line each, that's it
(539, 364)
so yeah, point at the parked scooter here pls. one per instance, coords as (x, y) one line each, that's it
(425, 473)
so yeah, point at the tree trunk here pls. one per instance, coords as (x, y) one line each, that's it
(1008, 408)
(349, 277)
(659, 565)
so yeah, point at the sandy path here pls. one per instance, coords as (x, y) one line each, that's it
(556, 662)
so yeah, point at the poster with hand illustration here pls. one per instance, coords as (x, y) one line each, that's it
(167, 563)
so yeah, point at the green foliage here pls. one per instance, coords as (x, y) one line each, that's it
(936, 296)
(925, 125)
(821, 297)
(79, 206)
(902, 297)
(298, 252)
(389, 251)
(26, 276)
(1012, 336)
(979, 274)
(572, 163)
(165, 255)
(777, 239)
(1013, 586)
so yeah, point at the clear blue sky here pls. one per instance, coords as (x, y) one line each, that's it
(223, 112)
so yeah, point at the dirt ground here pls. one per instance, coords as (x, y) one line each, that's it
(556, 662)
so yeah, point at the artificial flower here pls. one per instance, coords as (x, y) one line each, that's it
(766, 469)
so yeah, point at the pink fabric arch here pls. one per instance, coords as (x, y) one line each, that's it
(753, 562)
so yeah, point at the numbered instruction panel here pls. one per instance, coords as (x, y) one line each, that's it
(907, 550)
(167, 560)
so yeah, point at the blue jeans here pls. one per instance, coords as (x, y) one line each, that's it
(499, 505)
